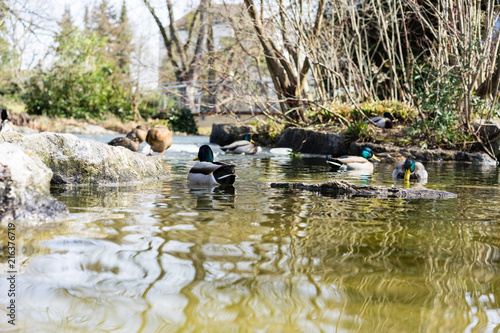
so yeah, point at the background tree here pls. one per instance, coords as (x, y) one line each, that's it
(81, 82)
(21, 22)
(286, 60)
(185, 58)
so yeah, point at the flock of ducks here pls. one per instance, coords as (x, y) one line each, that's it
(158, 138)
(207, 171)
(409, 169)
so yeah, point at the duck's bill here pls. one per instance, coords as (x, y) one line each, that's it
(376, 158)
(196, 158)
(407, 175)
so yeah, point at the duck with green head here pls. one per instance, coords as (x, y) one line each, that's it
(246, 146)
(206, 171)
(347, 162)
(409, 169)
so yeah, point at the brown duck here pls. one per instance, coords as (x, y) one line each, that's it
(160, 139)
(131, 142)
(139, 132)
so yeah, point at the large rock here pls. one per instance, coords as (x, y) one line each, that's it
(491, 135)
(340, 188)
(312, 142)
(76, 160)
(224, 134)
(25, 186)
(423, 155)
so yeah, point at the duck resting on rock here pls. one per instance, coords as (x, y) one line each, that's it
(384, 121)
(159, 139)
(206, 171)
(131, 142)
(409, 169)
(246, 146)
(360, 163)
(5, 124)
(141, 131)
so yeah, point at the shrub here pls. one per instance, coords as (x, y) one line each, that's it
(181, 119)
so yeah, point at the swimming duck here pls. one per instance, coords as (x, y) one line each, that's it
(160, 139)
(410, 169)
(5, 125)
(347, 162)
(384, 121)
(131, 142)
(206, 171)
(246, 146)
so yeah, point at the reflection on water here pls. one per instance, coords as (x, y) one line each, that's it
(170, 256)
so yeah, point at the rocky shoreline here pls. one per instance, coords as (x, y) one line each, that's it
(326, 143)
(30, 164)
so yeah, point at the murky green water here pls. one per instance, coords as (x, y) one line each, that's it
(170, 257)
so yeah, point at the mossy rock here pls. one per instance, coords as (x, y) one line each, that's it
(25, 186)
(76, 160)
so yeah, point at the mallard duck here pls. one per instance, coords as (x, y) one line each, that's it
(384, 121)
(347, 162)
(5, 125)
(140, 132)
(160, 139)
(206, 171)
(410, 169)
(131, 142)
(246, 146)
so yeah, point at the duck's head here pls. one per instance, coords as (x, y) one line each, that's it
(205, 154)
(388, 119)
(368, 153)
(248, 137)
(388, 115)
(409, 167)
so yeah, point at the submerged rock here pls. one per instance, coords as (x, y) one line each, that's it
(76, 160)
(25, 186)
(346, 190)
(312, 142)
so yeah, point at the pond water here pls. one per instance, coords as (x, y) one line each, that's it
(166, 256)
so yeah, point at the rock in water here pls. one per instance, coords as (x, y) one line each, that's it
(312, 142)
(224, 134)
(76, 160)
(346, 190)
(25, 186)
